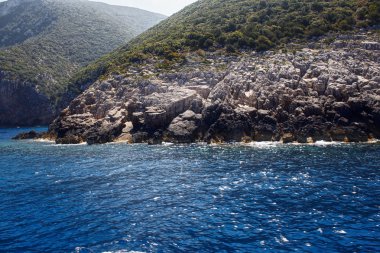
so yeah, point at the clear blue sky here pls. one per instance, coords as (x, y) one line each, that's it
(166, 7)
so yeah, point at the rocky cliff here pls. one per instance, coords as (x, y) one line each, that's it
(329, 90)
(22, 105)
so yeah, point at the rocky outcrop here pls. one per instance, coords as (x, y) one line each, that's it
(27, 135)
(35, 135)
(323, 92)
(184, 128)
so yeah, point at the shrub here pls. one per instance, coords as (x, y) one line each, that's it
(263, 43)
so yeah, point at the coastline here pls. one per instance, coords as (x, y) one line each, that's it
(46, 137)
(247, 144)
(319, 92)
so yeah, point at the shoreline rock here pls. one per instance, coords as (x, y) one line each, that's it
(326, 94)
(33, 135)
(286, 139)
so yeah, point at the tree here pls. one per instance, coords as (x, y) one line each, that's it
(318, 7)
(263, 43)
(374, 13)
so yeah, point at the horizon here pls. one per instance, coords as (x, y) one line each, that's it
(165, 7)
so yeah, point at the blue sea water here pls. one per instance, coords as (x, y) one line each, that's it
(189, 198)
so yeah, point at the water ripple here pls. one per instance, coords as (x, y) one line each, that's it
(189, 198)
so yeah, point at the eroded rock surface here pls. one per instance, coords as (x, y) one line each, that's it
(324, 92)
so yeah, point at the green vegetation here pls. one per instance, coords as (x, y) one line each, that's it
(14, 29)
(44, 42)
(256, 24)
(74, 38)
(233, 25)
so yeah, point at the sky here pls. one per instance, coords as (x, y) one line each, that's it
(167, 7)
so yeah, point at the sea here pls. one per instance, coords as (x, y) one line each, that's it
(120, 198)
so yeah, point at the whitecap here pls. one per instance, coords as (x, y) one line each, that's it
(326, 143)
(283, 239)
(68, 145)
(44, 140)
(263, 144)
(238, 181)
(225, 187)
(342, 232)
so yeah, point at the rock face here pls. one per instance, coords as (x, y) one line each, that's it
(324, 92)
(22, 105)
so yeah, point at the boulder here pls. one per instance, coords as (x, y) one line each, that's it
(230, 127)
(69, 139)
(288, 138)
(183, 129)
(104, 133)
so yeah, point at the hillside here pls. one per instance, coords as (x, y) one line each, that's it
(43, 42)
(237, 71)
(236, 25)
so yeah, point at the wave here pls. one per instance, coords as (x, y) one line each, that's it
(262, 144)
(65, 145)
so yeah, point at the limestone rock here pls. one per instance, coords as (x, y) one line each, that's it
(324, 93)
(183, 129)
